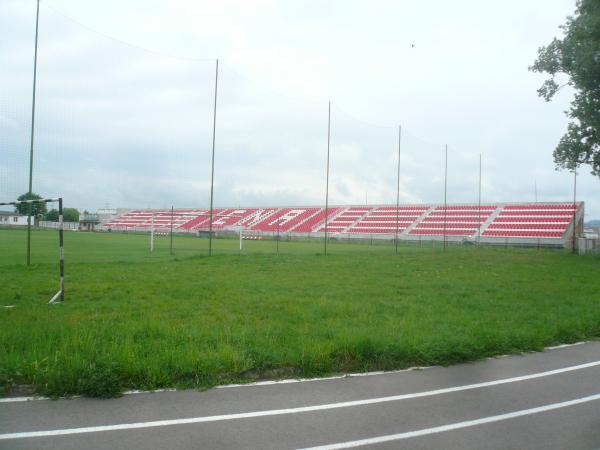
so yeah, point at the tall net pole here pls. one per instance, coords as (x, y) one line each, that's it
(30, 209)
(212, 164)
(62, 247)
(479, 205)
(171, 234)
(398, 186)
(445, 196)
(327, 177)
(574, 205)
(278, 221)
(152, 233)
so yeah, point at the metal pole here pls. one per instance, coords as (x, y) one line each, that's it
(30, 209)
(479, 205)
(327, 182)
(278, 235)
(60, 293)
(398, 187)
(152, 234)
(574, 205)
(535, 189)
(212, 170)
(445, 194)
(62, 250)
(171, 240)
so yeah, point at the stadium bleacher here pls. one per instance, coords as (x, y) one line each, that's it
(455, 220)
(344, 220)
(313, 223)
(285, 219)
(162, 218)
(518, 222)
(532, 221)
(386, 219)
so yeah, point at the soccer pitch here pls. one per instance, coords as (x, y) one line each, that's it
(135, 319)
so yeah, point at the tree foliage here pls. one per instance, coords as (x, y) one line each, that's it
(52, 215)
(69, 215)
(576, 55)
(37, 209)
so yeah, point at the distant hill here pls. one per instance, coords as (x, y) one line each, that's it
(592, 223)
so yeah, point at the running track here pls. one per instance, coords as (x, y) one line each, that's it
(540, 400)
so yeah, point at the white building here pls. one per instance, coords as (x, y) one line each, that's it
(8, 218)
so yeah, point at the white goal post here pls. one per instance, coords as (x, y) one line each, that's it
(60, 295)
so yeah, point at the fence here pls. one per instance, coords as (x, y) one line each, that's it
(72, 226)
(134, 129)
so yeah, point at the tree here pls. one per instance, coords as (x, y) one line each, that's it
(52, 215)
(576, 55)
(70, 215)
(37, 209)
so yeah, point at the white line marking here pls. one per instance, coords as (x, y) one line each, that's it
(135, 391)
(226, 386)
(302, 409)
(284, 381)
(333, 377)
(455, 426)
(554, 347)
(363, 374)
(35, 398)
(21, 399)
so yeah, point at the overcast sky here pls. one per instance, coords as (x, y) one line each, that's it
(125, 92)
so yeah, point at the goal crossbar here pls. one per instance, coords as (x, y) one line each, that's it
(60, 295)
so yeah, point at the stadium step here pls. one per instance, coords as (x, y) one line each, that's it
(413, 225)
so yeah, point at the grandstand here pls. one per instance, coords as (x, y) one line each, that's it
(548, 224)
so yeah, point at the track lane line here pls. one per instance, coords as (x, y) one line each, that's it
(455, 426)
(286, 380)
(297, 410)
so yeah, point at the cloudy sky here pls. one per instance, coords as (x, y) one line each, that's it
(125, 98)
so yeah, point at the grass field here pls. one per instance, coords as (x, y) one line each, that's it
(138, 320)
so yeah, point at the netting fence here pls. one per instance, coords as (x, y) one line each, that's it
(122, 128)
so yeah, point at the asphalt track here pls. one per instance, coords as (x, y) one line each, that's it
(539, 400)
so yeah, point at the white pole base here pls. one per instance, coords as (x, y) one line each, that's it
(53, 299)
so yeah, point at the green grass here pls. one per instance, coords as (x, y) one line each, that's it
(132, 319)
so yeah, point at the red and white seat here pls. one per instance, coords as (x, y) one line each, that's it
(455, 220)
(536, 220)
(388, 219)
